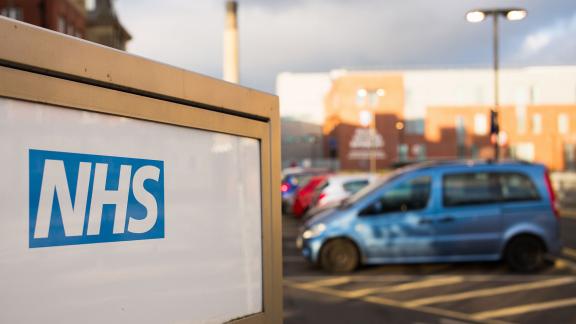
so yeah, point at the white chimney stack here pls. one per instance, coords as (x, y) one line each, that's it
(231, 73)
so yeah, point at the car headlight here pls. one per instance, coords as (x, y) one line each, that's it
(314, 231)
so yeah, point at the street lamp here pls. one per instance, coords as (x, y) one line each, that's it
(475, 16)
(400, 129)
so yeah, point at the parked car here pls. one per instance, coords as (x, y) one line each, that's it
(304, 194)
(441, 212)
(292, 178)
(337, 187)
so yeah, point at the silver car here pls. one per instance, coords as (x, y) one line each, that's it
(337, 188)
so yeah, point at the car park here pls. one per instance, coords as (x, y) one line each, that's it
(441, 212)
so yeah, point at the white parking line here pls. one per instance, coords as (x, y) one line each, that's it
(568, 214)
(422, 284)
(522, 309)
(324, 282)
(569, 252)
(491, 291)
(387, 302)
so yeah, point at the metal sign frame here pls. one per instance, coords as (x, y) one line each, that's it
(43, 66)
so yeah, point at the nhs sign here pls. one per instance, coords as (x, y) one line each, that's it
(82, 199)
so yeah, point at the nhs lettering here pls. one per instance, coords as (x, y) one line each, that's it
(83, 198)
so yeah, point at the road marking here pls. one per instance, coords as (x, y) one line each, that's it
(491, 291)
(324, 283)
(568, 214)
(569, 252)
(391, 303)
(427, 283)
(522, 309)
(562, 264)
(397, 279)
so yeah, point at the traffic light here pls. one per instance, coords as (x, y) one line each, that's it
(494, 127)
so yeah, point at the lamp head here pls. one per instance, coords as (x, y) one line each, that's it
(475, 16)
(516, 14)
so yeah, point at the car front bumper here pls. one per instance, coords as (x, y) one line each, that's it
(310, 248)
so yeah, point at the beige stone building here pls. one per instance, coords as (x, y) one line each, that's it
(104, 27)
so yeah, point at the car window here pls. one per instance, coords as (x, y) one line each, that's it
(354, 185)
(517, 187)
(319, 188)
(463, 189)
(409, 195)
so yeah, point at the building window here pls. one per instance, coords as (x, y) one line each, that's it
(536, 123)
(460, 137)
(523, 151)
(474, 151)
(521, 119)
(70, 30)
(361, 95)
(414, 126)
(460, 129)
(480, 124)
(12, 12)
(403, 152)
(61, 26)
(535, 95)
(90, 5)
(373, 99)
(419, 150)
(563, 124)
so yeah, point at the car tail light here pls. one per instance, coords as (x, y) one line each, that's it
(284, 187)
(551, 194)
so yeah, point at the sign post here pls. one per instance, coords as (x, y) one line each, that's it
(133, 191)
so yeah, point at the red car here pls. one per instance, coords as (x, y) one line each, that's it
(304, 195)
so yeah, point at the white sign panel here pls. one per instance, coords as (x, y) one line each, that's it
(106, 219)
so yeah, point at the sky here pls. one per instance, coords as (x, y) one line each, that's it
(322, 35)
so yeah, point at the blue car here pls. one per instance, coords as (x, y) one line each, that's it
(441, 212)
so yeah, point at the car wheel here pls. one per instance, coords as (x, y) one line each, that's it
(525, 254)
(339, 256)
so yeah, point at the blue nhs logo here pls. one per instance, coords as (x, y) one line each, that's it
(83, 198)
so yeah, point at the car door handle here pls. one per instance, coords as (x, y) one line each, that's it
(447, 219)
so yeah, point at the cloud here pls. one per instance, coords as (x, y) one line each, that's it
(320, 35)
(563, 30)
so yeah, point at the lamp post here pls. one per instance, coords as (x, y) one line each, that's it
(311, 139)
(400, 129)
(368, 119)
(475, 16)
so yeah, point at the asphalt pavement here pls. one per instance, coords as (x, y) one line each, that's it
(430, 293)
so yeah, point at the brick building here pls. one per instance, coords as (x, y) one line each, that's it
(99, 23)
(402, 116)
(65, 16)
